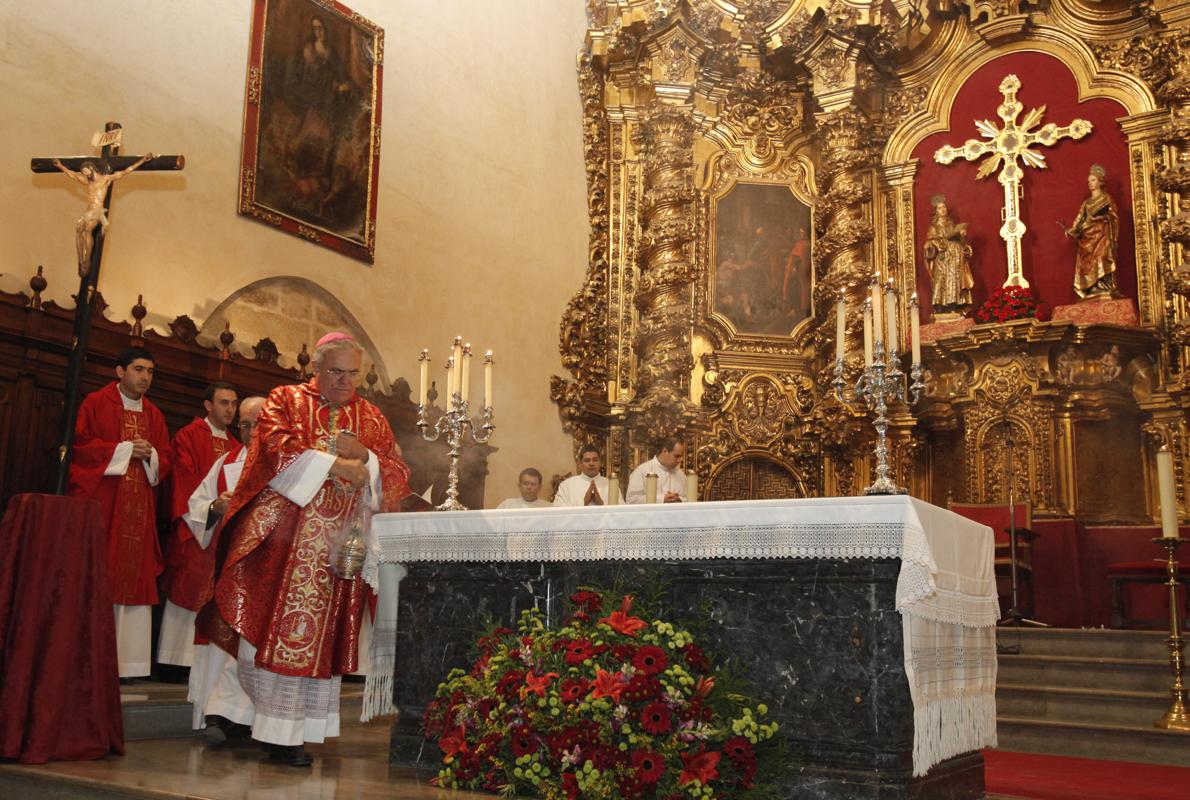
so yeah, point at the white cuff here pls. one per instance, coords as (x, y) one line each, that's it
(302, 479)
(121, 458)
(374, 487)
(152, 467)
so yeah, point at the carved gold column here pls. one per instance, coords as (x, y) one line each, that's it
(664, 360)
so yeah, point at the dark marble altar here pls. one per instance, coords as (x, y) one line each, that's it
(820, 640)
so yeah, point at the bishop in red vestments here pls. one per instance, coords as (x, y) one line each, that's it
(189, 567)
(121, 453)
(322, 459)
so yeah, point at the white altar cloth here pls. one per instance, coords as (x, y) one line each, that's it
(946, 589)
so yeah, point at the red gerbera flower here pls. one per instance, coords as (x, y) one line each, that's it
(649, 766)
(570, 785)
(522, 741)
(738, 748)
(695, 656)
(621, 623)
(656, 718)
(578, 651)
(650, 659)
(574, 690)
(590, 602)
(700, 766)
(510, 683)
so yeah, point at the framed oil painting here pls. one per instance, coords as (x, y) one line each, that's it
(311, 150)
(763, 281)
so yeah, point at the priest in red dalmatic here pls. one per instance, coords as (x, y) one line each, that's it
(121, 453)
(189, 577)
(321, 461)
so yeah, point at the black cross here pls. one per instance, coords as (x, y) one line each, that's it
(110, 162)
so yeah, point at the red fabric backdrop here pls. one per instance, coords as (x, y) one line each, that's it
(1050, 194)
(59, 684)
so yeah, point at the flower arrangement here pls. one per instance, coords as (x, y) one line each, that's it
(609, 706)
(1009, 303)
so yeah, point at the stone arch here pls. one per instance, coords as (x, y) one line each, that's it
(292, 312)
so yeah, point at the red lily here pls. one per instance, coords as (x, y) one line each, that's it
(702, 766)
(537, 684)
(609, 684)
(452, 742)
(620, 622)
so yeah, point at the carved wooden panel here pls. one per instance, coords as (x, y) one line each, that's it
(754, 478)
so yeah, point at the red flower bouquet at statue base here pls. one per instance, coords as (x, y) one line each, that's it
(612, 705)
(1010, 303)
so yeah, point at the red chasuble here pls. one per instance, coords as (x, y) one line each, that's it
(190, 568)
(276, 587)
(129, 503)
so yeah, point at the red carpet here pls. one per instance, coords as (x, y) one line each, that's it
(1037, 777)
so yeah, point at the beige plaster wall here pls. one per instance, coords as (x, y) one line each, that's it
(482, 219)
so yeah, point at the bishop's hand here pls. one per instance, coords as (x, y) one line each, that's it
(221, 503)
(348, 446)
(142, 449)
(351, 470)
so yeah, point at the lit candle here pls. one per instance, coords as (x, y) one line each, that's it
(457, 362)
(877, 312)
(915, 328)
(423, 386)
(613, 489)
(867, 333)
(650, 488)
(1169, 508)
(465, 373)
(840, 326)
(450, 381)
(487, 378)
(691, 487)
(890, 313)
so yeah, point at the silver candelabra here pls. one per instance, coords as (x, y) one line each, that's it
(456, 421)
(882, 382)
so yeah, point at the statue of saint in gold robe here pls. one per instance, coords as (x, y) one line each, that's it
(947, 256)
(1097, 230)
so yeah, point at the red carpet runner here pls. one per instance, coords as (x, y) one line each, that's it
(1037, 777)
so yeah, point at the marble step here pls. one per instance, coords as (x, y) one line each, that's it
(1080, 704)
(1093, 642)
(1140, 743)
(1120, 674)
(154, 710)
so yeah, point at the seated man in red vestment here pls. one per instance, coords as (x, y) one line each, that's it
(321, 461)
(189, 568)
(121, 453)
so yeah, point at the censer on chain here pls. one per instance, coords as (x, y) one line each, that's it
(350, 558)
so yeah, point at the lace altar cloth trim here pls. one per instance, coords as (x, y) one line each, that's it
(841, 528)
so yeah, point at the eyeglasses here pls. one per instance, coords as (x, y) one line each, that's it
(337, 373)
(247, 426)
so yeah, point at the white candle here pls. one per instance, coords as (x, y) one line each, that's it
(877, 314)
(465, 373)
(613, 489)
(691, 487)
(867, 333)
(456, 363)
(487, 378)
(450, 381)
(840, 327)
(650, 488)
(1169, 507)
(915, 328)
(423, 385)
(890, 313)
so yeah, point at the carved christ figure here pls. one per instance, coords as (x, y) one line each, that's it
(1097, 229)
(97, 180)
(947, 257)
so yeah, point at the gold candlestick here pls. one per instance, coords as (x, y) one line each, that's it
(1176, 719)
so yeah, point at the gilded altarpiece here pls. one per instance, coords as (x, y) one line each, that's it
(686, 102)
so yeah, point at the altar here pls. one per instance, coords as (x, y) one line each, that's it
(867, 624)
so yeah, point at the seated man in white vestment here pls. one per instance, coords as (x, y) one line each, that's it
(667, 466)
(529, 482)
(588, 488)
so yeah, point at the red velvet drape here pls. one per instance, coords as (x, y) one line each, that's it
(59, 683)
(1049, 195)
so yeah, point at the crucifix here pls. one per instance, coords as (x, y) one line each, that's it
(98, 175)
(1005, 146)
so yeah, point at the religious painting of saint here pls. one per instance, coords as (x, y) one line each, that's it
(763, 278)
(311, 150)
